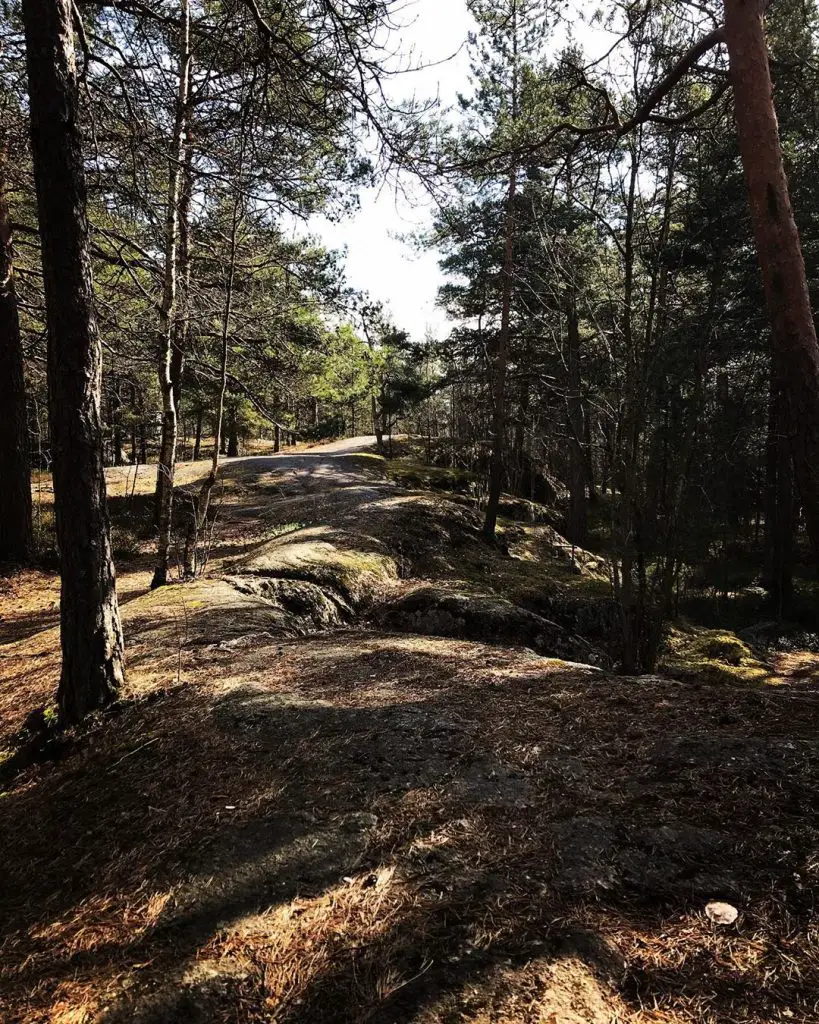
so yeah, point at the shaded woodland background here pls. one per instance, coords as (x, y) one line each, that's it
(610, 350)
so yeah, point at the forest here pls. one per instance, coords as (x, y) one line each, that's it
(355, 669)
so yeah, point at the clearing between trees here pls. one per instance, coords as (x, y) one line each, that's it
(350, 778)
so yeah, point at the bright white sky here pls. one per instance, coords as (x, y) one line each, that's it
(378, 260)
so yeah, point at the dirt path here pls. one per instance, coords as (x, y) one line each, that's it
(29, 601)
(361, 825)
(326, 456)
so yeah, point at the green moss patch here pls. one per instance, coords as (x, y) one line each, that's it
(348, 561)
(410, 474)
(715, 656)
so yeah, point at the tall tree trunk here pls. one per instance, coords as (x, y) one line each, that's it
(625, 449)
(519, 457)
(378, 424)
(578, 520)
(15, 468)
(171, 356)
(179, 327)
(91, 635)
(182, 319)
(587, 453)
(578, 470)
(779, 503)
(778, 247)
(501, 354)
(197, 444)
(498, 370)
(132, 416)
(232, 432)
(200, 515)
(117, 457)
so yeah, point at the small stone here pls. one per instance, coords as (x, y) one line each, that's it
(721, 913)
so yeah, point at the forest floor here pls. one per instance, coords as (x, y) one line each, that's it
(306, 809)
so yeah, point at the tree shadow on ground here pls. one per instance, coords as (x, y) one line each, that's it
(304, 471)
(234, 844)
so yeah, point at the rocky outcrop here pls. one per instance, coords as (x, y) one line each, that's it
(439, 612)
(352, 565)
(694, 654)
(305, 606)
(364, 554)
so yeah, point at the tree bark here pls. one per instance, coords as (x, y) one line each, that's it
(91, 634)
(170, 356)
(193, 561)
(197, 444)
(501, 355)
(779, 504)
(778, 246)
(182, 320)
(232, 433)
(15, 467)
(587, 452)
(625, 449)
(378, 425)
(578, 520)
(498, 374)
(117, 456)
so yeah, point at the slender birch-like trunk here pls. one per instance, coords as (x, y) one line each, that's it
(193, 563)
(167, 451)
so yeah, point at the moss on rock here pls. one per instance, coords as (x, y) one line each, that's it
(410, 474)
(440, 612)
(305, 606)
(355, 565)
(693, 654)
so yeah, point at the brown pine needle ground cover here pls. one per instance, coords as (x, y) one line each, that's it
(370, 826)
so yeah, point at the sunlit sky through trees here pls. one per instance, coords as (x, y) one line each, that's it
(380, 259)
